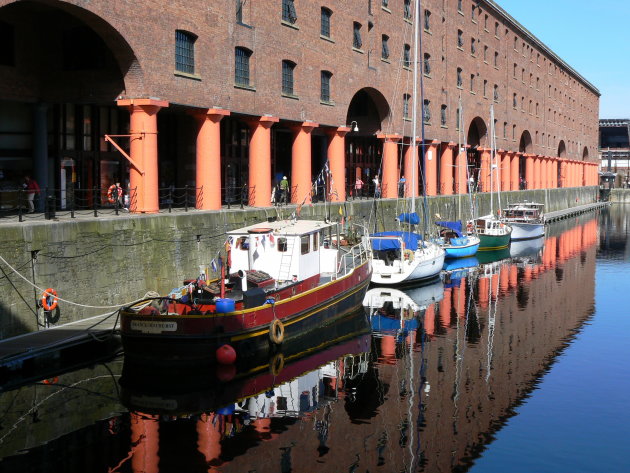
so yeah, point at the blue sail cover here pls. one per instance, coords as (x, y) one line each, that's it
(409, 239)
(411, 218)
(455, 226)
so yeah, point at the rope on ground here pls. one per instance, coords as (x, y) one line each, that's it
(117, 306)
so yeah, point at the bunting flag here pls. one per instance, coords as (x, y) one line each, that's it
(340, 211)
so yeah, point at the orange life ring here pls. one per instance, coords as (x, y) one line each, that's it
(51, 380)
(111, 197)
(49, 293)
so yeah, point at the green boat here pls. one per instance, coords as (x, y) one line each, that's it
(493, 234)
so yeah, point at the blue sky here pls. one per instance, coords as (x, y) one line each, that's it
(593, 37)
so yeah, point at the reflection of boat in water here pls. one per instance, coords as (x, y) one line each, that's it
(485, 257)
(527, 249)
(394, 310)
(456, 270)
(200, 387)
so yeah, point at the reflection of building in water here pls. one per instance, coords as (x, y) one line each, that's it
(442, 398)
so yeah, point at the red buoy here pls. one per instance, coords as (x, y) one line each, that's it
(226, 355)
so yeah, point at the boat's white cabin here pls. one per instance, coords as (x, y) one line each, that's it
(286, 249)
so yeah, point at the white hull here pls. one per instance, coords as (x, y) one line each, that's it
(526, 231)
(426, 264)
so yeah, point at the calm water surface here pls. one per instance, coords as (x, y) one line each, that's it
(515, 361)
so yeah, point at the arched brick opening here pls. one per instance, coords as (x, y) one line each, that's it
(477, 133)
(371, 111)
(562, 149)
(585, 154)
(525, 144)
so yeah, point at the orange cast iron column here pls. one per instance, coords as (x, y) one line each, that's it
(536, 160)
(390, 165)
(411, 169)
(504, 159)
(143, 149)
(446, 169)
(529, 170)
(208, 180)
(301, 163)
(514, 169)
(484, 171)
(430, 166)
(337, 163)
(461, 174)
(260, 161)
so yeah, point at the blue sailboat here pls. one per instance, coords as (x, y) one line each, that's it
(454, 241)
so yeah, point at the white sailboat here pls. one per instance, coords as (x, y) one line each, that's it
(405, 256)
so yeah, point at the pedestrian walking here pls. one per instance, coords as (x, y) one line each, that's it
(32, 189)
(358, 188)
(284, 190)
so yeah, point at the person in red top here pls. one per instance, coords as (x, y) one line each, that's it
(32, 189)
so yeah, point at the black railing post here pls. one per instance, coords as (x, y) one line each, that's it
(50, 200)
(46, 204)
(72, 204)
(94, 204)
(186, 198)
(170, 199)
(21, 200)
(242, 192)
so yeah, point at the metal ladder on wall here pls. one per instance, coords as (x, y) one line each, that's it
(284, 271)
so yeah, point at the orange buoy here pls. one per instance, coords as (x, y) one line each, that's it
(49, 294)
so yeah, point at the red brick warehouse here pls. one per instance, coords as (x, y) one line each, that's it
(232, 95)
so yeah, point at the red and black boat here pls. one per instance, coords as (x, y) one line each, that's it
(280, 280)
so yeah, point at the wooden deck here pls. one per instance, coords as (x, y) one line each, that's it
(573, 211)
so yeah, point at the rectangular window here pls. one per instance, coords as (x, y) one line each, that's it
(282, 244)
(473, 13)
(356, 39)
(473, 46)
(457, 118)
(288, 11)
(472, 83)
(443, 115)
(325, 27)
(305, 244)
(485, 86)
(427, 20)
(407, 10)
(460, 39)
(241, 67)
(184, 52)
(239, 11)
(427, 64)
(496, 93)
(426, 111)
(407, 56)
(287, 77)
(325, 86)
(459, 77)
(459, 6)
(496, 59)
(385, 47)
(406, 99)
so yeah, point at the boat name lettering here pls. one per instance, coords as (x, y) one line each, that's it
(146, 326)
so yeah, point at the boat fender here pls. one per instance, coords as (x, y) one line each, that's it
(49, 300)
(276, 332)
(276, 364)
(226, 355)
(51, 380)
(408, 255)
(270, 300)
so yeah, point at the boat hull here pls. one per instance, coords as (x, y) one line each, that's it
(190, 337)
(426, 265)
(494, 242)
(527, 231)
(462, 251)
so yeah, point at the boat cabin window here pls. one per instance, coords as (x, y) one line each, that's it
(315, 240)
(282, 244)
(243, 243)
(305, 243)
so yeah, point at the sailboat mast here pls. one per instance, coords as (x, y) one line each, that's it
(414, 107)
(491, 159)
